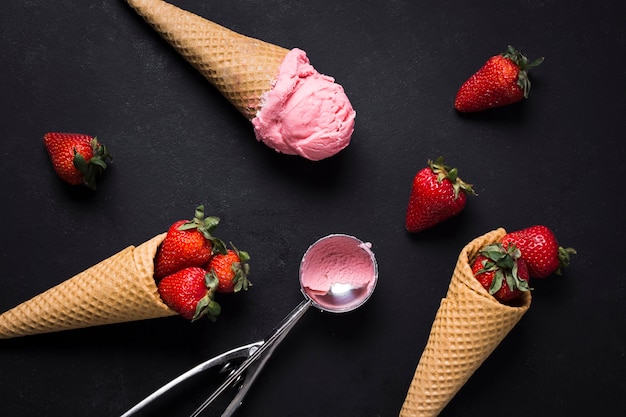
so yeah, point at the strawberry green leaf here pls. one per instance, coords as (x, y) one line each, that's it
(218, 246)
(214, 310)
(243, 255)
(524, 66)
(207, 307)
(510, 280)
(496, 284)
(201, 308)
(239, 283)
(79, 162)
(211, 282)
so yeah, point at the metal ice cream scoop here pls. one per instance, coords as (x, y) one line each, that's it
(338, 273)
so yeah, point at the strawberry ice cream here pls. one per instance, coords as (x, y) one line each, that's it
(338, 273)
(304, 113)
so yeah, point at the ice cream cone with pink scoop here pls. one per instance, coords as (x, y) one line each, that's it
(470, 323)
(293, 108)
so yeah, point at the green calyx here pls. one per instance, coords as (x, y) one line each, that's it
(504, 263)
(241, 270)
(206, 226)
(93, 168)
(452, 174)
(524, 67)
(564, 258)
(207, 306)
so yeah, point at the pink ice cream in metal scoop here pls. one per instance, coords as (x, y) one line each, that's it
(338, 273)
(304, 113)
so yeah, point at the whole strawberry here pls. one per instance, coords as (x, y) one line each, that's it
(189, 292)
(188, 243)
(502, 272)
(230, 270)
(437, 194)
(501, 81)
(76, 158)
(540, 250)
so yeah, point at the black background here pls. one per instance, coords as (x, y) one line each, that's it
(557, 159)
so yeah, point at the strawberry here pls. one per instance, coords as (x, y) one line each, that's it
(231, 270)
(502, 80)
(187, 243)
(501, 271)
(76, 158)
(540, 250)
(189, 292)
(436, 195)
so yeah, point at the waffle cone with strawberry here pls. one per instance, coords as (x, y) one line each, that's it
(240, 67)
(468, 326)
(177, 272)
(118, 289)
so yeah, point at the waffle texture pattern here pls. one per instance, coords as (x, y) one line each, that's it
(240, 67)
(116, 290)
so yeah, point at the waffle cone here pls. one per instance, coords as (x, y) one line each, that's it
(468, 326)
(118, 289)
(240, 67)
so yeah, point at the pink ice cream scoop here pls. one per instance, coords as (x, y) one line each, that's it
(304, 113)
(294, 109)
(338, 273)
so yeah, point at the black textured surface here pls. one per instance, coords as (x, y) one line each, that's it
(557, 159)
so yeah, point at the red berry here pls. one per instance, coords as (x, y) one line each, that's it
(187, 243)
(231, 270)
(190, 293)
(540, 250)
(437, 194)
(76, 158)
(502, 80)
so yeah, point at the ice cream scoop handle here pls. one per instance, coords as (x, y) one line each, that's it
(258, 357)
(226, 357)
